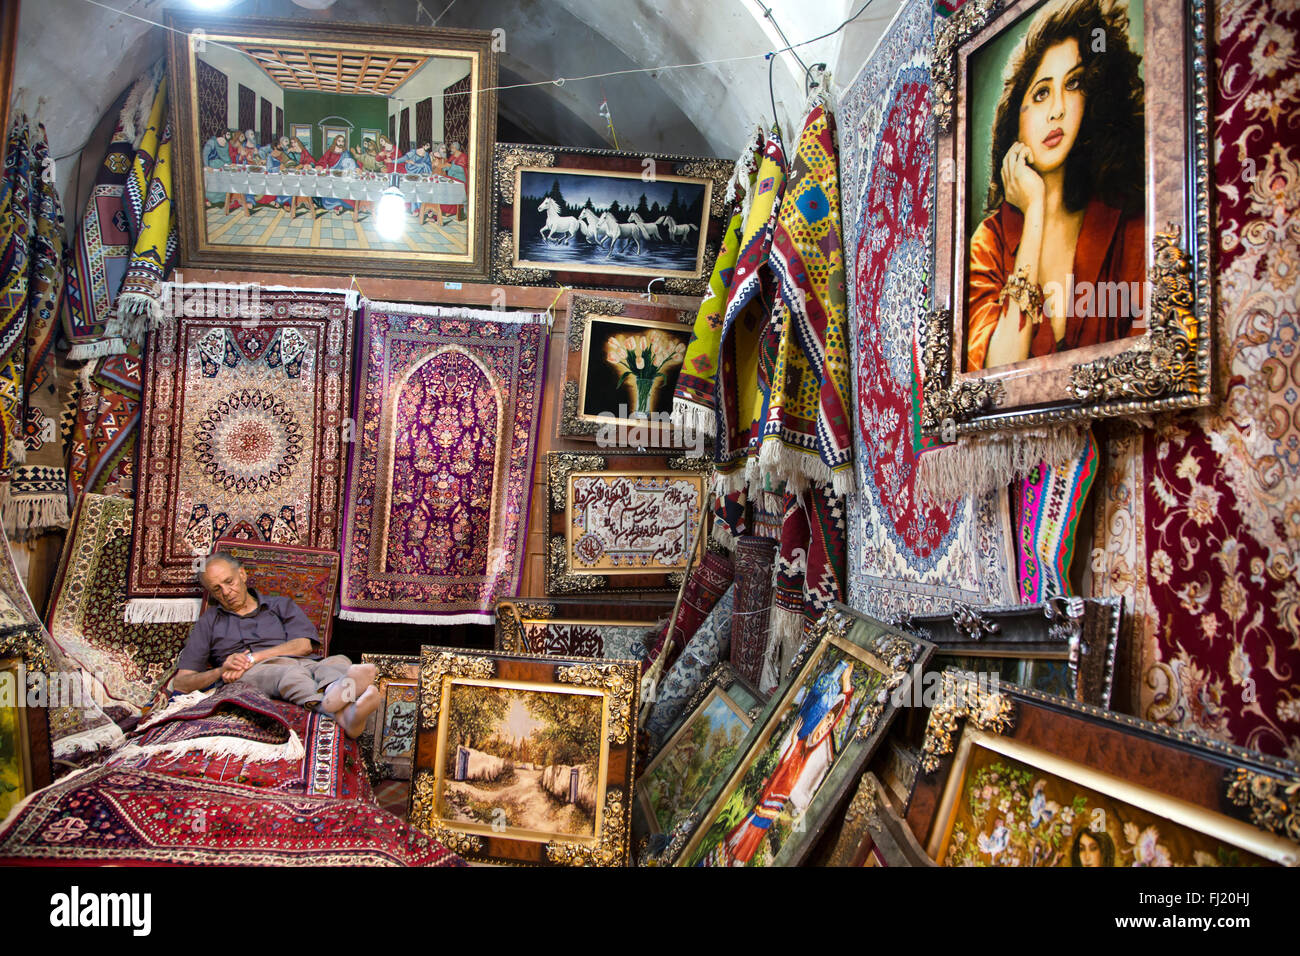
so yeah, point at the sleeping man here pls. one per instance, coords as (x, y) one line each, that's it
(266, 641)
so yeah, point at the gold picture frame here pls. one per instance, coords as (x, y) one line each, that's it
(526, 760)
(1158, 355)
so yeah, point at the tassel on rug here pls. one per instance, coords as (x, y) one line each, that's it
(982, 464)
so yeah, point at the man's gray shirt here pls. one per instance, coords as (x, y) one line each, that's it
(218, 633)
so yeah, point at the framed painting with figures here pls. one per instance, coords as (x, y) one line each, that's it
(290, 136)
(1017, 777)
(600, 218)
(1071, 214)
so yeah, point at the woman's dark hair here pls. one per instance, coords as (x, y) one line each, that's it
(1103, 841)
(1107, 158)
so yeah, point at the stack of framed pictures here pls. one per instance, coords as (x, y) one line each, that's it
(1023, 778)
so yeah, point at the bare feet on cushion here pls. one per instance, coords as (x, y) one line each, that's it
(352, 718)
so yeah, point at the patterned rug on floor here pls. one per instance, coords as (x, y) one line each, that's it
(447, 409)
(129, 816)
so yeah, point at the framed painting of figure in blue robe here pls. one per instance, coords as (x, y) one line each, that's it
(331, 147)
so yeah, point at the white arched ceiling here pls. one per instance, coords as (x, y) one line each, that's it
(79, 57)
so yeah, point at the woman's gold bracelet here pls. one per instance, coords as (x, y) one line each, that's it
(1028, 295)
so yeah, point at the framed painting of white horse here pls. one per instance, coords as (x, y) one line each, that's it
(598, 218)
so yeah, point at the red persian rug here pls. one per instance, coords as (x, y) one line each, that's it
(127, 816)
(256, 450)
(308, 575)
(447, 409)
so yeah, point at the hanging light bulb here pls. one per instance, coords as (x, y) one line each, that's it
(390, 214)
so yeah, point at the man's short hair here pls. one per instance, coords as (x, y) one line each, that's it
(226, 556)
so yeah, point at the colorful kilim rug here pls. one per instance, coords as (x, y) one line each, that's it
(695, 395)
(38, 498)
(98, 257)
(447, 410)
(152, 223)
(1051, 501)
(705, 584)
(310, 576)
(106, 427)
(908, 553)
(738, 400)
(807, 433)
(127, 662)
(256, 448)
(16, 227)
(128, 816)
(729, 517)
(750, 623)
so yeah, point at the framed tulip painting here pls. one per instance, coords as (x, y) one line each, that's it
(332, 147)
(623, 362)
(1072, 230)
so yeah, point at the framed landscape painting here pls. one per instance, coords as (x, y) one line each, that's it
(16, 778)
(288, 135)
(703, 748)
(1072, 218)
(526, 760)
(623, 362)
(588, 217)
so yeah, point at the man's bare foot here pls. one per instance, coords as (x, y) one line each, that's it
(363, 675)
(338, 695)
(352, 718)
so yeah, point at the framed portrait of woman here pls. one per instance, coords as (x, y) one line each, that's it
(1071, 243)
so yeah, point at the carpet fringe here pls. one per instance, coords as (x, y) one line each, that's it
(88, 741)
(217, 745)
(724, 537)
(987, 463)
(87, 351)
(174, 706)
(27, 516)
(162, 610)
(379, 617)
(697, 418)
(800, 468)
(453, 312)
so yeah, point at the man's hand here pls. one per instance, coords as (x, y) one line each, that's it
(234, 666)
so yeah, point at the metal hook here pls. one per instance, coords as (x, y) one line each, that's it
(810, 82)
(648, 294)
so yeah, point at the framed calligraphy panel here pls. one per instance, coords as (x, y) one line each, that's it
(623, 523)
(389, 739)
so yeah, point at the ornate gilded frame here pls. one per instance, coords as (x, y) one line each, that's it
(1167, 367)
(364, 40)
(514, 615)
(1081, 631)
(562, 576)
(573, 421)
(393, 669)
(616, 684)
(512, 158)
(741, 698)
(894, 657)
(873, 833)
(1246, 798)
